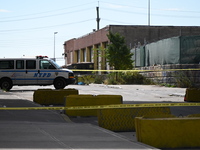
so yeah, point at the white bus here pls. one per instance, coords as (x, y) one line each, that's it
(33, 71)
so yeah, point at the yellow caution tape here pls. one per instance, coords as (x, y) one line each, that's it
(137, 70)
(103, 106)
(132, 106)
(32, 108)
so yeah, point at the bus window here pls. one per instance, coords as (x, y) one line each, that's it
(45, 64)
(7, 64)
(19, 64)
(30, 64)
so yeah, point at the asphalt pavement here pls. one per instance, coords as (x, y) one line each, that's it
(50, 129)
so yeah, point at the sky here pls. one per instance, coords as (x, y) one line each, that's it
(27, 27)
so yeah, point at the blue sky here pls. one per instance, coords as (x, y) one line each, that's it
(27, 26)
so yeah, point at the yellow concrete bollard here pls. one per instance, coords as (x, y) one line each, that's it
(123, 119)
(52, 97)
(89, 100)
(192, 95)
(169, 132)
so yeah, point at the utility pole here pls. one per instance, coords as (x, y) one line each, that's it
(98, 19)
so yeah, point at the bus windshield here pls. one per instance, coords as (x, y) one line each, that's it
(55, 64)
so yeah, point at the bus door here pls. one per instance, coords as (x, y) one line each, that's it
(19, 72)
(47, 72)
(31, 73)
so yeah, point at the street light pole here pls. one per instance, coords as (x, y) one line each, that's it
(55, 45)
(149, 13)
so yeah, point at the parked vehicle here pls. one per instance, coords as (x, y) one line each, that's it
(33, 71)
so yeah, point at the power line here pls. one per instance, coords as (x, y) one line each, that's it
(15, 30)
(123, 5)
(152, 14)
(152, 8)
(103, 19)
(24, 19)
(47, 11)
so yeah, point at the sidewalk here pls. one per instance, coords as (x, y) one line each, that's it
(47, 129)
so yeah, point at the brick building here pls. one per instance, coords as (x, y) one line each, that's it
(86, 52)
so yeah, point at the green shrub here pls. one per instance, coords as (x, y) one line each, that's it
(133, 78)
(183, 79)
(99, 79)
(127, 78)
(87, 79)
(115, 78)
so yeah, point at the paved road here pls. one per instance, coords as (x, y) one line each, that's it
(50, 129)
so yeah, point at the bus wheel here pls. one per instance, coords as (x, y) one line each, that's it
(59, 83)
(6, 84)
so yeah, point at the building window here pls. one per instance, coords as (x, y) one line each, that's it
(90, 54)
(98, 55)
(84, 55)
(78, 56)
(71, 57)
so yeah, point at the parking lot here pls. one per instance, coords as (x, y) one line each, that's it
(130, 93)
